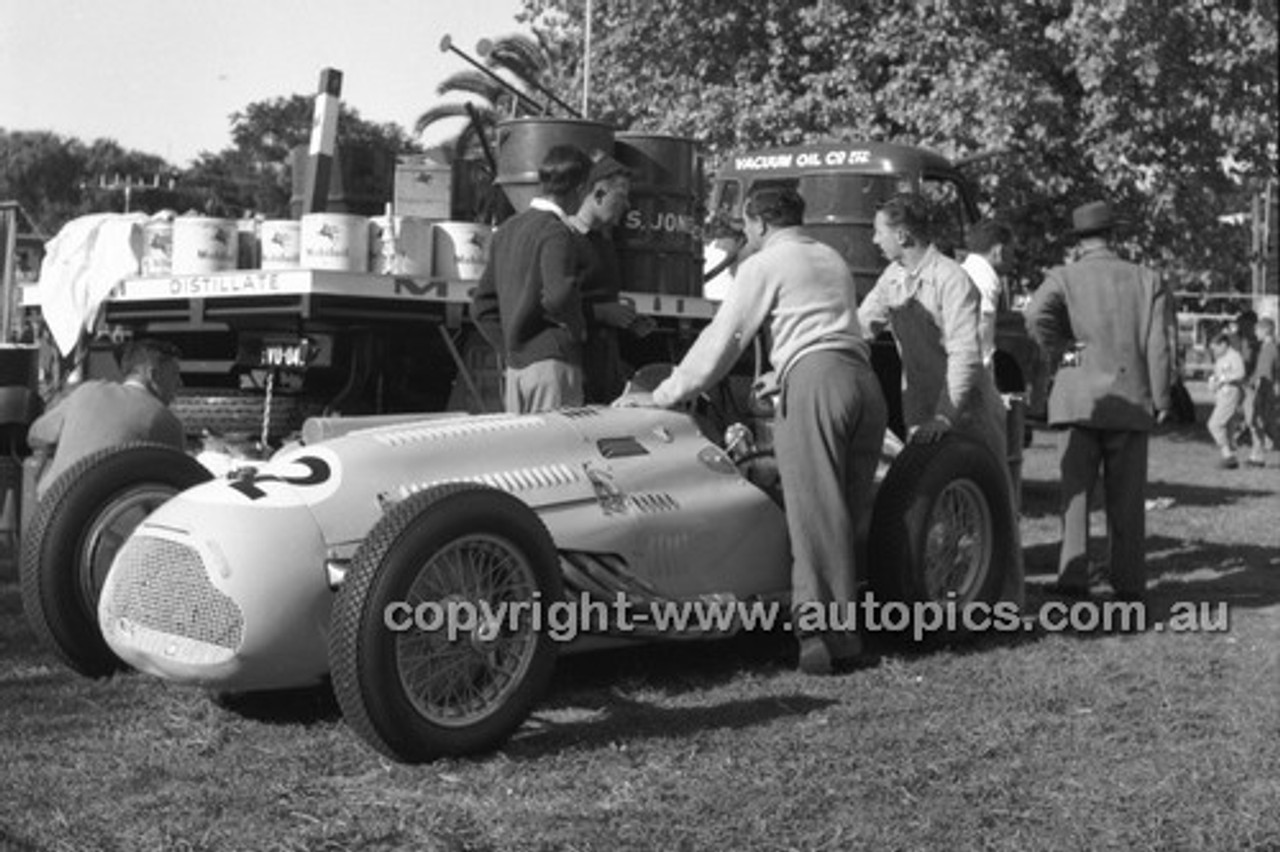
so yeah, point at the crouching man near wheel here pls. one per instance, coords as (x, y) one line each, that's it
(100, 414)
(831, 415)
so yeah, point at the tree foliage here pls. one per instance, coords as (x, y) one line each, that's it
(56, 178)
(518, 67)
(255, 173)
(1166, 107)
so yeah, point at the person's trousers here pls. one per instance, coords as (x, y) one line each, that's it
(1226, 405)
(542, 386)
(1259, 416)
(828, 436)
(1121, 457)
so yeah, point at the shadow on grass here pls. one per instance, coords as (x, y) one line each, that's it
(305, 705)
(1185, 576)
(613, 717)
(677, 666)
(1041, 498)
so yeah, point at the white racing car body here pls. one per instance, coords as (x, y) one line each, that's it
(281, 574)
(230, 584)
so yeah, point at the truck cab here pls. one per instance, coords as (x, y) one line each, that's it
(843, 183)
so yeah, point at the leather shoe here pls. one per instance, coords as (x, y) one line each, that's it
(815, 657)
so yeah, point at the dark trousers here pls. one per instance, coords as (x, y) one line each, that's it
(1121, 458)
(828, 437)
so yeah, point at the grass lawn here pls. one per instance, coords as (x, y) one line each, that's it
(1036, 741)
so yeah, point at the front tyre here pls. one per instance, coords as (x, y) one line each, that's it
(414, 685)
(75, 533)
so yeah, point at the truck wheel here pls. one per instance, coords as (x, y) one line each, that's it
(75, 533)
(418, 693)
(942, 528)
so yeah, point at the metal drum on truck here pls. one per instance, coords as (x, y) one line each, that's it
(281, 242)
(157, 247)
(460, 250)
(335, 241)
(524, 142)
(202, 244)
(658, 247)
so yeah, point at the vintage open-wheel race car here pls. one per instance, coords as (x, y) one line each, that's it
(306, 567)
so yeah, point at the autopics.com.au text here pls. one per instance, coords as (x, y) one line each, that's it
(566, 619)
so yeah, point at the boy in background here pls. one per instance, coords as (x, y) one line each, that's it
(1227, 384)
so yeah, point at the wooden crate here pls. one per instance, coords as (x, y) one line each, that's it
(423, 187)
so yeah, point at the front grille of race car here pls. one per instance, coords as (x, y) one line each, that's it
(161, 600)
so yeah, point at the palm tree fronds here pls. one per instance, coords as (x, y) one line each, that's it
(519, 54)
(472, 82)
(439, 112)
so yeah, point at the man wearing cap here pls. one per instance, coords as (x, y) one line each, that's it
(99, 413)
(602, 208)
(528, 302)
(1105, 320)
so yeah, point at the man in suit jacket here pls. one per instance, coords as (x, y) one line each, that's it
(1104, 320)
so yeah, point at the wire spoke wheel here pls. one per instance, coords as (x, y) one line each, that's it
(958, 543)
(942, 529)
(459, 673)
(470, 563)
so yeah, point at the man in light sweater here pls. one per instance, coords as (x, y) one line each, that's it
(831, 415)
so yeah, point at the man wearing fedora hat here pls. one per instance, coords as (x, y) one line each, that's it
(1107, 322)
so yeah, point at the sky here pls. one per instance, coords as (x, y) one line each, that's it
(163, 76)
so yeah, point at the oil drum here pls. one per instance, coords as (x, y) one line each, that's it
(524, 142)
(658, 246)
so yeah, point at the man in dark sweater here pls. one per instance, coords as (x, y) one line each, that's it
(528, 303)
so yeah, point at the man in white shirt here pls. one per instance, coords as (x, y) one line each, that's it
(986, 242)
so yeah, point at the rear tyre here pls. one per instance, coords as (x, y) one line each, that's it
(942, 527)
(417, 694)
(75, 533)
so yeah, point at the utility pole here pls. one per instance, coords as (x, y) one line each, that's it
(9, 234)
(324, 136)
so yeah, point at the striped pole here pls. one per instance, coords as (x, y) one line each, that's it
(324, 134)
